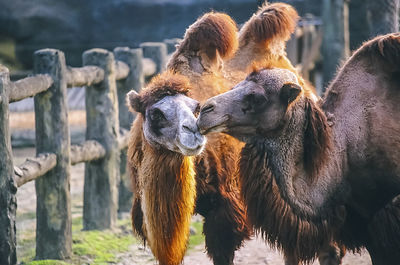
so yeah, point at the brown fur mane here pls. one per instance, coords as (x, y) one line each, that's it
(274, 218)
(162, 85)
(317, 138)
(214, 34)
(270, 21)
(155, 173)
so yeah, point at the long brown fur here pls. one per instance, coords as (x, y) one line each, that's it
(262, 42)
(218, 198)
(272, 216)
(277, 20)
(213, 35)
(169, 191)
(163, 183)
(285, 228)
(317, 139)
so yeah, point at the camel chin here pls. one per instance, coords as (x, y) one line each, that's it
(191, 147)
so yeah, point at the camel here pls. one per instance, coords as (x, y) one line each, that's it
(172, 178)
(207, 47)
(327, 168)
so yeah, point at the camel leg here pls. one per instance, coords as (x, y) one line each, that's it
(331, 254)
(225, 229)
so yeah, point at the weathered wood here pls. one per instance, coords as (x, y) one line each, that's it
(157, 51)
(149, 67)
(87, 151)
(123, 139)
(171, 44)
(33, 168)
(134, 59)
(383, 16)
(311, 46)
(335, 45)
(29, 86)
(121, 70)
(8, 201)
(101, 177)
(292, 47)
(84, 76)
(53, 211)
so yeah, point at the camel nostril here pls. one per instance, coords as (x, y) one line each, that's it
(207, 108)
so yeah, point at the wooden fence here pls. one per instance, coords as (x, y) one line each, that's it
(107, 77)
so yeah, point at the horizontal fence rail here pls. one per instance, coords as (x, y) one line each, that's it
(103, 71)
(33, 168)
(107, 77)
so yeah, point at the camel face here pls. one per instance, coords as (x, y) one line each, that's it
(256, 106)
(171, 123)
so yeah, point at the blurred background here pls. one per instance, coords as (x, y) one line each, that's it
(74, 26)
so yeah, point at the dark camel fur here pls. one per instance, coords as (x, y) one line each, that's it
(325, 169)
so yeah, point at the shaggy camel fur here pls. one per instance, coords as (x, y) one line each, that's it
(200, 57)
(335, 163)
(175, 185)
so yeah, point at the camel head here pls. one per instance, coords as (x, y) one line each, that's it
(257, 106)
(168, 114)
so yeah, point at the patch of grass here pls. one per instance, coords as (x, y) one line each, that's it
(101, 246)
(95, 247)
(48, 262)
(197, 238)
(89, 247)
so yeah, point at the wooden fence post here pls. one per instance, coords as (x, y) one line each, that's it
(53, 206)
(171, 44)
(157, 51)
(8, 201)
(133, 58)
(292, 46)
(101, 176)
(335, 46)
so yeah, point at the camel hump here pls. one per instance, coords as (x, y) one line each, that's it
(210, 33)
(272, 21)
(387, 47)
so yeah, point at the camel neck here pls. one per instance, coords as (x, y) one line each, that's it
(168, 188)
(305, 193)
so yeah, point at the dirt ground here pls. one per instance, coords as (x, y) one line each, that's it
(254, 251)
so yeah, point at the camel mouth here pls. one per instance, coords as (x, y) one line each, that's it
(214, 128)
(188, 151)
(208, 124)
(192, 149)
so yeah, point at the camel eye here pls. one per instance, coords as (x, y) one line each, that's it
(157, 115)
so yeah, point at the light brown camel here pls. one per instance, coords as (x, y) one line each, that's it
(335, 163)
(170, 182)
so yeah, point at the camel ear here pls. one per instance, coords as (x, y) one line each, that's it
(134, 102)
(289, 92)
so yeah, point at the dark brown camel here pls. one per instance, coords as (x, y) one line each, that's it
(324, 169)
